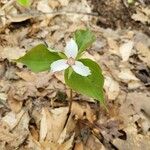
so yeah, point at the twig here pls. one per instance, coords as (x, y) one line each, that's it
(37, 14)
(60, 12)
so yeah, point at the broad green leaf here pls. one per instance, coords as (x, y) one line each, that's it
(91, 85)
(25, 3)
(39, 58)
(84, 39)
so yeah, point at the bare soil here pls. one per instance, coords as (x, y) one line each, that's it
(117, 14)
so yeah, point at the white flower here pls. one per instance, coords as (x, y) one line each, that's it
(71, 52)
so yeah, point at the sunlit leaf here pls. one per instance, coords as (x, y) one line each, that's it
(91, 85)
(39, 58)
(84, 39)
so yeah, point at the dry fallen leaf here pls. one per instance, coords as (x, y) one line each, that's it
(111, 87)
(142, 15)
(12, 119)
(43, 125)
(94, 144)
(53, 4)
(133, 141)
(21, 91)
(33, 144)
(21, 130)
(113, 45)
(39, 80)
(143, 52)
(137, 104)
(64, 2)
(79, 146)
(11, 52)
(13, 103)
(50, 129)
(68, 144)
(140, 101)
(126, 75)
(5, 135)
(43, 6)
(139, 16)
(19, 18)
(79, 110)
(17, 128)
(75, 7)
(3, 96)
(126, 50)
(141, 104)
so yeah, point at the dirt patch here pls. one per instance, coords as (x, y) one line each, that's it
(118, 14)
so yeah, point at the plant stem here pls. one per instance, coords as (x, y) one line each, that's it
(70, 102)
(70, 105)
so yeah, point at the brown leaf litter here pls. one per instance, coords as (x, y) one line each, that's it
(34, 107)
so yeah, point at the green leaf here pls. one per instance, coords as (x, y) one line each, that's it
(62, 55)
(25, 3)
(84, 39)
(91, 85)
(39, 58)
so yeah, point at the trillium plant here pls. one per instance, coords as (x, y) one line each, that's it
(82, 75)
(71, 52)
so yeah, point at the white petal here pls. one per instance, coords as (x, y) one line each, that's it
(81, 69)
(59, 65)
(71, 49)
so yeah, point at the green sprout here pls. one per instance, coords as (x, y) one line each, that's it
(24, 3)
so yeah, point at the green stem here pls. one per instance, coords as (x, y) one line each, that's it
(70, 102)
(70, 105)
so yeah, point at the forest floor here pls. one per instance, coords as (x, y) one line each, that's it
(34, 107)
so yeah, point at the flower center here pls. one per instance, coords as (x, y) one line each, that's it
(71, 61)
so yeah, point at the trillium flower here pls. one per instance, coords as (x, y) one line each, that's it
(71, 51)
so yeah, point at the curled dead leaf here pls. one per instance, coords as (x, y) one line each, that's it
(111, 87)
(82, 111)
(133, 141)
(126, 50)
